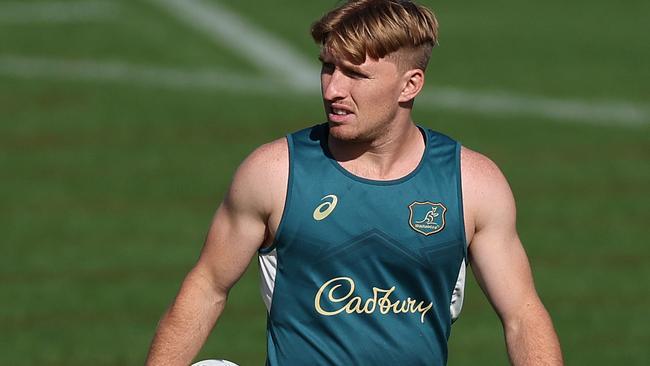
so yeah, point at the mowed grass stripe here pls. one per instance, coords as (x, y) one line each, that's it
(500, 103)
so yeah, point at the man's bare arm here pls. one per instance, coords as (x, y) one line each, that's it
(501, 266)
(240, 226)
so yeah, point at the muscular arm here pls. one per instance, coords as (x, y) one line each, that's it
(242, 223)
(501, 266)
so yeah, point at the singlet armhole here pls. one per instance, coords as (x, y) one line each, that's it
(461, 211)
(287, 201)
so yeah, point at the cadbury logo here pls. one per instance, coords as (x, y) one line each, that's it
(380, 301)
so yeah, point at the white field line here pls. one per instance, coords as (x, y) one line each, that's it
(56, 11)
(281, 61)
(130, 74)
(605, 112)
(270, 54)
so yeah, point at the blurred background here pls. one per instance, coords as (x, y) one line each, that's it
(121, 123)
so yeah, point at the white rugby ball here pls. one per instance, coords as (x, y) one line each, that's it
(214, 363)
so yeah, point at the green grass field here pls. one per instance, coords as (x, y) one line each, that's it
(108, 183)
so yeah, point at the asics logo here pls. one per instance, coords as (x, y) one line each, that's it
(325, 209)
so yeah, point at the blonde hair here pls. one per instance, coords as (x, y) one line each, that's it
(378, 28)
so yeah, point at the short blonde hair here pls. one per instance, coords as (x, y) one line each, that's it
(377, 28)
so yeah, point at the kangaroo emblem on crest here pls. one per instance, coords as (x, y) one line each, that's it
(427, 218)
(430, 217)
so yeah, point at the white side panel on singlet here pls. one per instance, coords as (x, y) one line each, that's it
(268, 264)
(459, 294)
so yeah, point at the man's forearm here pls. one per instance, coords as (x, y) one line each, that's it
(186, 324)
(531, 339)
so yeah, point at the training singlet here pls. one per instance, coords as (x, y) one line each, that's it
(365, 272)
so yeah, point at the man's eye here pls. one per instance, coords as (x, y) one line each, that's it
(355, 75)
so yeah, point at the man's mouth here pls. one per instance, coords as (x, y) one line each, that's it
(340, 112)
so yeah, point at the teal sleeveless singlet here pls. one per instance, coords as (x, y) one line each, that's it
(362, 271)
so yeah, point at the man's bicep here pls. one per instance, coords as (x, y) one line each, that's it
(240, 224)
(497, 256)
(501, 268)
(233, 239)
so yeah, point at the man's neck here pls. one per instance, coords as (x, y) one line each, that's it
(393, 155)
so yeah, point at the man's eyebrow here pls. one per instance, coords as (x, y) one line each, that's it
(353, 68)
(346, 66)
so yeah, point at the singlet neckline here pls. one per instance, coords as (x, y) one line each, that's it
(377, 182)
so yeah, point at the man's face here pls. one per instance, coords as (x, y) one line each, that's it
(360, 100)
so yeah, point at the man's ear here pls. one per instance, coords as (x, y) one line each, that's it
(413, 83)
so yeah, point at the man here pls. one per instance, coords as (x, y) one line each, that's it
(363, 225)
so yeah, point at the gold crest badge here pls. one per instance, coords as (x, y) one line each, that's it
(427, 218)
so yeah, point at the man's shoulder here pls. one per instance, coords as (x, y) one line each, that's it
(481, 176)
(475, 165)
(485, 188)
(261, 179)
(270, 161)
(266, 160)
(269, 152)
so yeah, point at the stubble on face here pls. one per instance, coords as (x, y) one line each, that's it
(368, 91)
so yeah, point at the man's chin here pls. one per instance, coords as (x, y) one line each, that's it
(343, 132)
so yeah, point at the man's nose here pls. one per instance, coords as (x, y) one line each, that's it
(335, 85)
